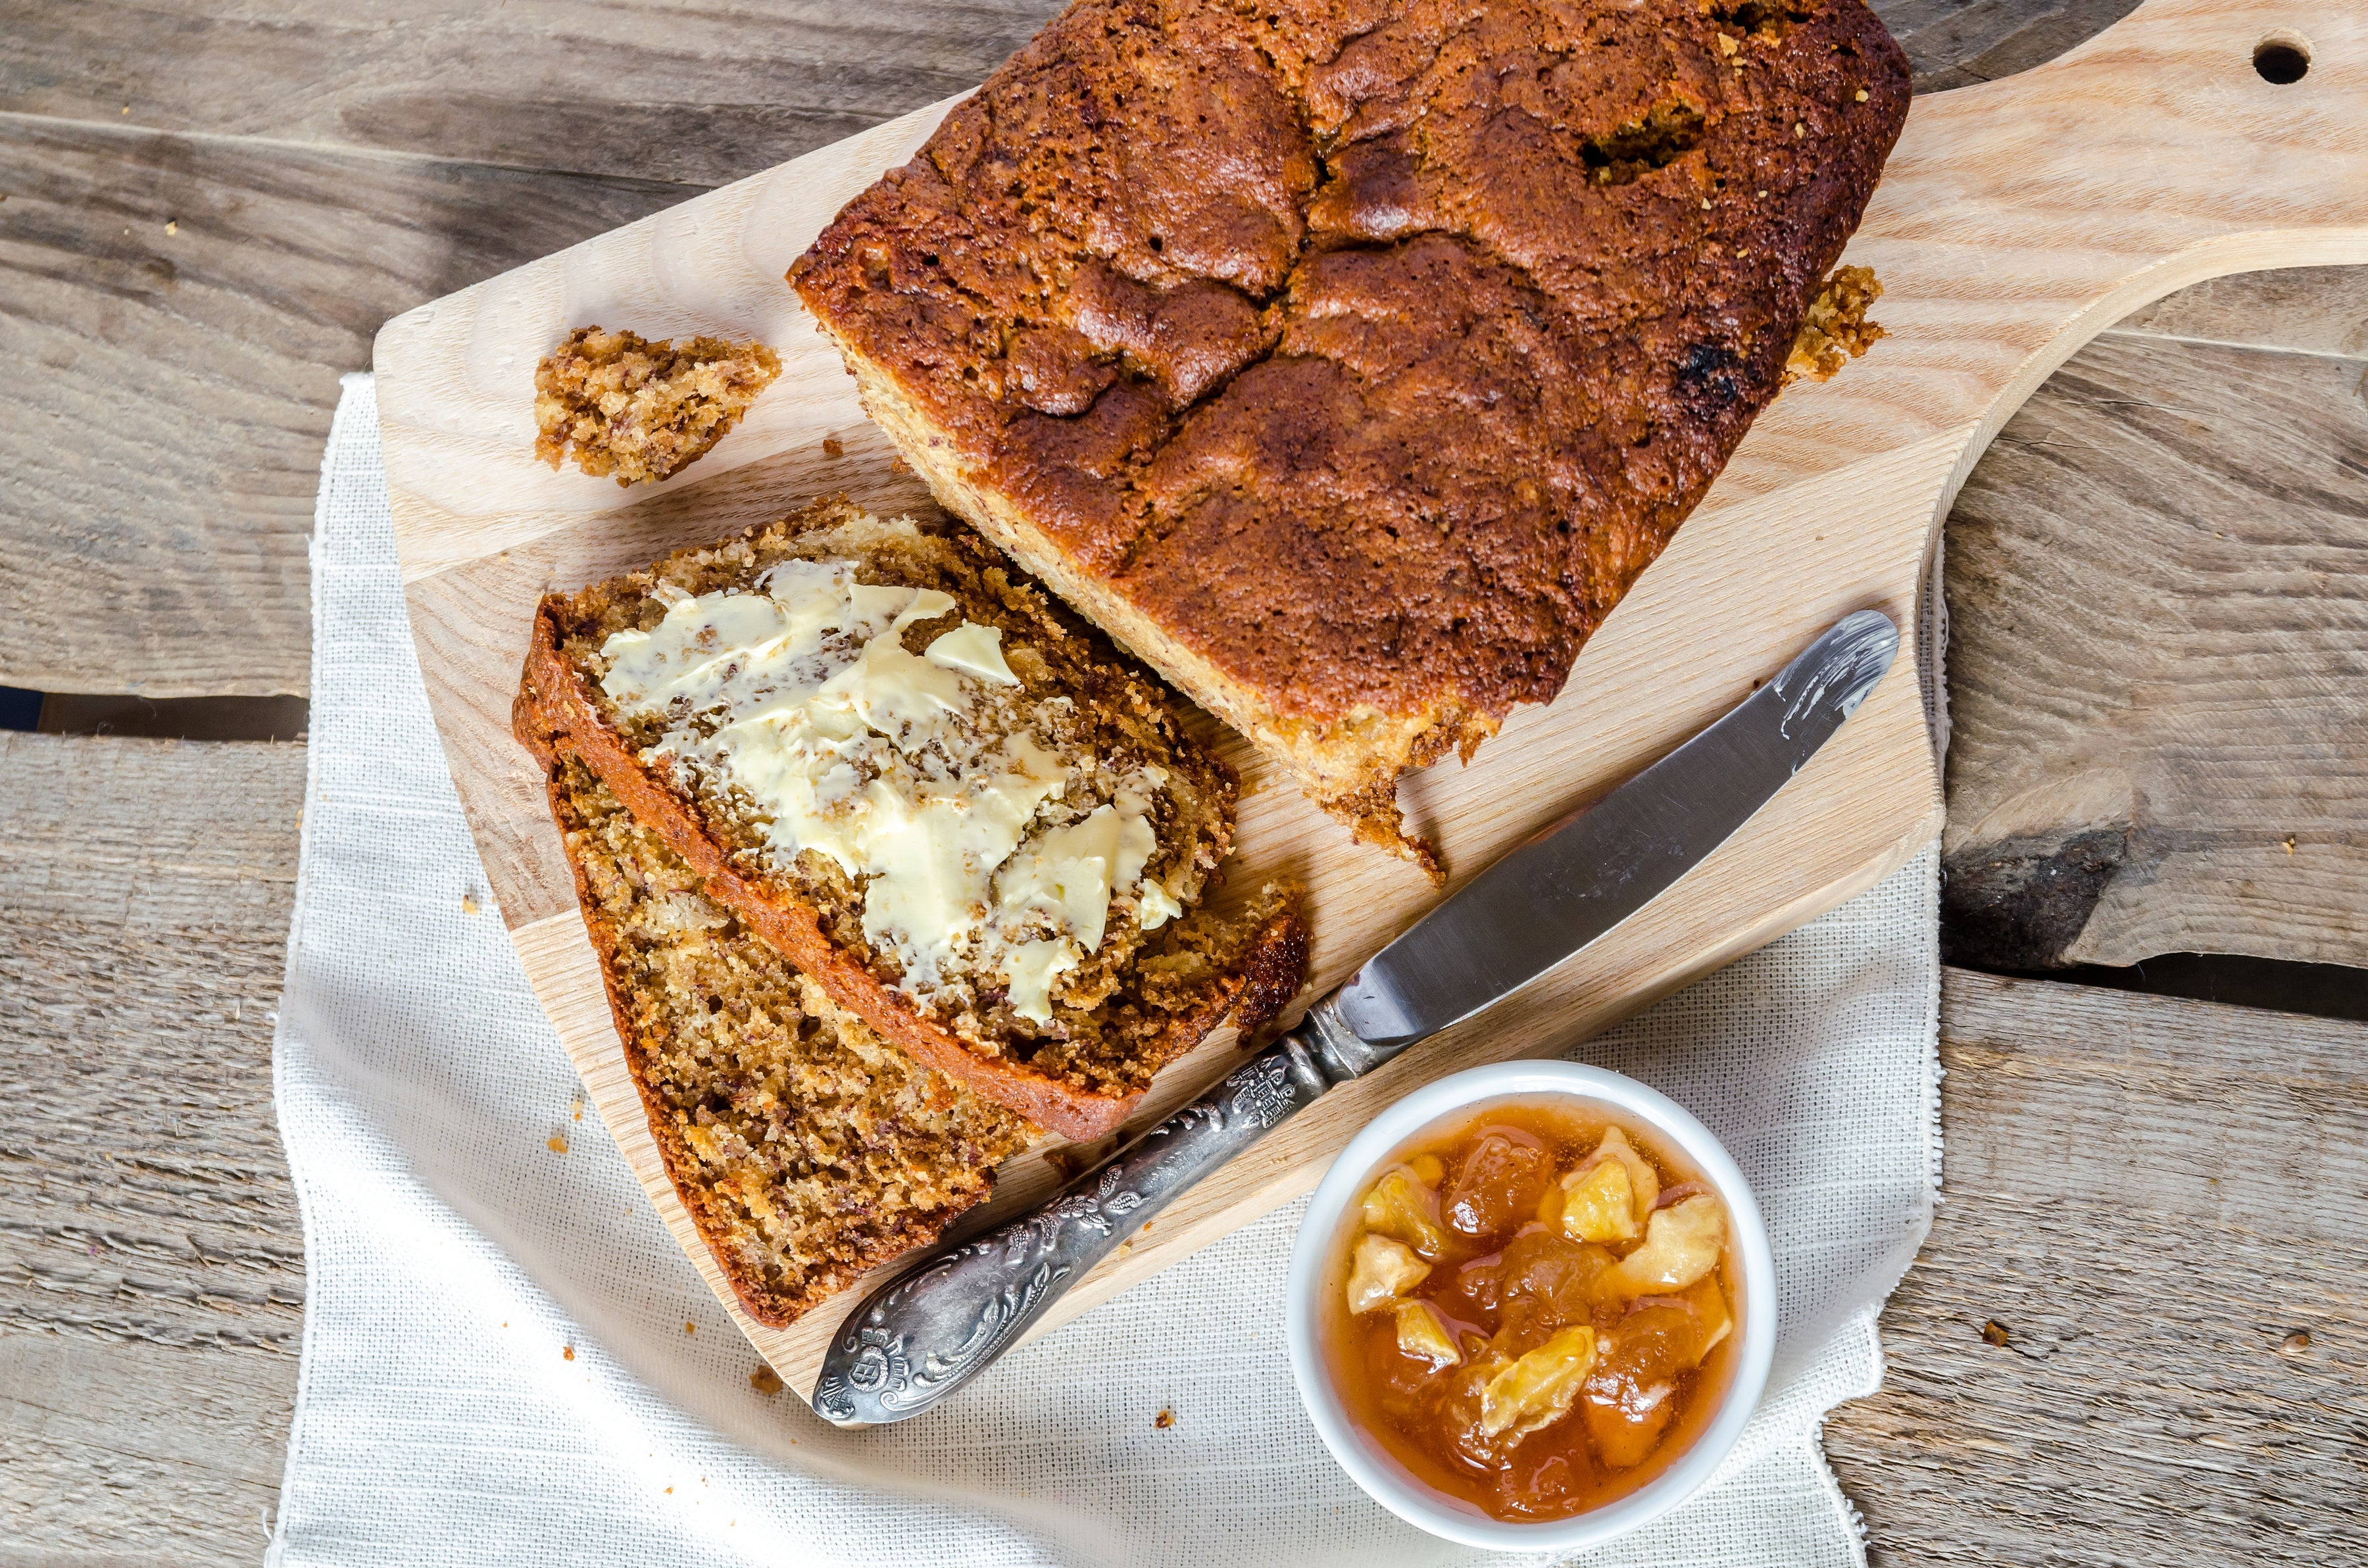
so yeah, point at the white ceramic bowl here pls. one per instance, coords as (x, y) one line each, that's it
(1450, 1099)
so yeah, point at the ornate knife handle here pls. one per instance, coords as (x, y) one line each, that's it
(942, 1322)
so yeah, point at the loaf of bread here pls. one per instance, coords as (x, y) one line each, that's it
(806, 1149)
(1348, 362)
(956, 807)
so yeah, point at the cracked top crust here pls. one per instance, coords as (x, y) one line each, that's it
(1360, 355)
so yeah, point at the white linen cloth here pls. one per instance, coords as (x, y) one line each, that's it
(507, 1360)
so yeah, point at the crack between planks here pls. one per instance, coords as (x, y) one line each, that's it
(129, 131)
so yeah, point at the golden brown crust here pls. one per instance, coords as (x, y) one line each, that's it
(555, 707)
(1350, 362)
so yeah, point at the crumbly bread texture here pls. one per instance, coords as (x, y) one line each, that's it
(1141, 998)
(638, 410)
(1835, 330)
(806, 1148)
(1349, 362)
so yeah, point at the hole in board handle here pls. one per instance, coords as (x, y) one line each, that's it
(2283, 58)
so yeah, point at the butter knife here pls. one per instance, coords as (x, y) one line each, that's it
(941, 1321)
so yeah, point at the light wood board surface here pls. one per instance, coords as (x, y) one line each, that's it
(2014, 221)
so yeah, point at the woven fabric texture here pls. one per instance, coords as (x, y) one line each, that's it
(507, 1360)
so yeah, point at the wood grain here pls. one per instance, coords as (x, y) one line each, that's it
(2151, 1197)
(2160, 627)
(637, 90)
(647, 91)
(152, 1267)
(2311, 310)
(1828, 504)
(163, 437)
(207, 357)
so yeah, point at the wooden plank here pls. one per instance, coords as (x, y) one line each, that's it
(1958, 43)
(2312, 310)
(2158, 626)
(152, 1266)
(638, 89)
(132, 1454)
(645, 90)
(188, 303)
(2152, 1197)
(1829, 504)
(195, 369)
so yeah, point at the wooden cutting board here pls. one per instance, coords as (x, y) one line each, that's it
(2014, 221)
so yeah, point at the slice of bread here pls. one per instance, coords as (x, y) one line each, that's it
(807, 1149)
(967, 817)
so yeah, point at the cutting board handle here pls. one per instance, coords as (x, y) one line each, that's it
(2018, 217)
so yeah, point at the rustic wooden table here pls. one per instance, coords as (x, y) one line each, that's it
(2138, 1333)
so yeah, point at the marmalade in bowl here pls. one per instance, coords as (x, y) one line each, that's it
(1532, 1308)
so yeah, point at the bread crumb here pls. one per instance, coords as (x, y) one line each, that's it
(1860, 98)
(1164, 1420)
(764, 1381)
(568, 1353)
(630, 409)
(1836, 329)
(171, 225)
(468, 904)
(555, 1143)
(1994, 1332)
(575, 1110)
(832, 447)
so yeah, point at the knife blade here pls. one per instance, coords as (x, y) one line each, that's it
(939, 1323)
(1583, 875)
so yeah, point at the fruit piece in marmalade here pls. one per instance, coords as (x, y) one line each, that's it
(1682, 1242)
(1380, 1270)
(1401, 1206)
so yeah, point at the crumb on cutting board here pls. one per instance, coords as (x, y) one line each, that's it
(1836, 329)
(630, 409)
